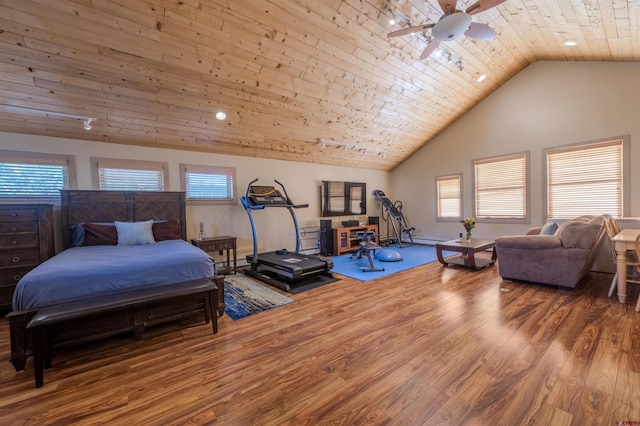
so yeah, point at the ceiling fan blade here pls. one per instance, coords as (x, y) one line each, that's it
(480, 31)
(448, 6)
(410, 30)
(433, 45)
(482, 5)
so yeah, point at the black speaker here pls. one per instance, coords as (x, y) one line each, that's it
(326, 238)
(373, 220)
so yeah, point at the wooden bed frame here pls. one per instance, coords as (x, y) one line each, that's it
(79, 206)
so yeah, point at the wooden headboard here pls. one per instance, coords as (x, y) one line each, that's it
(79, 206)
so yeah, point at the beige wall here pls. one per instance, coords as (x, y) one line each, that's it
(274, 226)
(547, 104)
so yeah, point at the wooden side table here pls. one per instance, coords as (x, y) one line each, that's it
(220, 244)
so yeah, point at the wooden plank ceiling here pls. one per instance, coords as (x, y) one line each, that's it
(287, 73)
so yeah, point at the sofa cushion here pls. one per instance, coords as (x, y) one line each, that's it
(549, 228)
(581, 232)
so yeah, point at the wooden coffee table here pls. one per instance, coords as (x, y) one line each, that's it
(467, 251)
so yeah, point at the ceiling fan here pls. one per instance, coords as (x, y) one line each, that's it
(452, 24)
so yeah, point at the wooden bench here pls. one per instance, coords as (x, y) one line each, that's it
(132, 304)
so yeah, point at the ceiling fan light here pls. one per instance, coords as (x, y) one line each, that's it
(451, 26)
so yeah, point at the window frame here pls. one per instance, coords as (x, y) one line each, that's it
(625, 142)
(126, 164)
(526, 219)
(343, 199)
(48, 159)
(212, 170)
(439, 179)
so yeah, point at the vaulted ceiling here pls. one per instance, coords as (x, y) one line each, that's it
(287, 73)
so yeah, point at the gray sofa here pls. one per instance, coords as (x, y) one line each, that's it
(561, 259)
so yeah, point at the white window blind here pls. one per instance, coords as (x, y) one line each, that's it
(29, 176)
(209, 183)
(130, 175)
(501, 188)
(449, 197)
(586, 179)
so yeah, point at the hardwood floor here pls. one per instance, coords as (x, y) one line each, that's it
(428, 346)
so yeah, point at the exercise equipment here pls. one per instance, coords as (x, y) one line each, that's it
(392, 214)
(388, 255)
(280, 268)
(367, 245)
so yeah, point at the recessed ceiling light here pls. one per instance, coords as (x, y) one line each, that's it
(392, 22)
(220, 115)
(570, 43)
(481, 78)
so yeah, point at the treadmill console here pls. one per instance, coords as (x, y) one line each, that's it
(265, 196)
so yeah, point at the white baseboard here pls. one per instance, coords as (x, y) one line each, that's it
(421, 240)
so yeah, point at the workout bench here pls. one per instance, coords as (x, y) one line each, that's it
(368, 244)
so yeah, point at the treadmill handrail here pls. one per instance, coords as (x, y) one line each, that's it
(289, 202)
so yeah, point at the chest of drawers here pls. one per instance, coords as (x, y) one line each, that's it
(26, 240)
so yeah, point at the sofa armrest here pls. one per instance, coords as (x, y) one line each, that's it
(529, 242)
(534, 231)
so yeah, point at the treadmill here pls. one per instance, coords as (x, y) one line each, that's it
(280, 268)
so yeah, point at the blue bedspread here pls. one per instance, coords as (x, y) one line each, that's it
(81, 272)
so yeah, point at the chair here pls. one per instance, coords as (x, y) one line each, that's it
(633, 258)
(633, 261)
(612, 230)
(367, 245)
(638, 267)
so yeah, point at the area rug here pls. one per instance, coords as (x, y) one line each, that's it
(245, 296)
(412, 256)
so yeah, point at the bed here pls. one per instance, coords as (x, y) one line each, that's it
(110, 269)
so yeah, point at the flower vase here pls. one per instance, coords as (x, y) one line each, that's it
(201, 235)
(468, 236)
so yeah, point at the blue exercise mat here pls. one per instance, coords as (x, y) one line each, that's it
(412, 256)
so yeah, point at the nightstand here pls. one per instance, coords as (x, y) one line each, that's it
(220, 244)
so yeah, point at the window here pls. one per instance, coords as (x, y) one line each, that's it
(587, 179)
(343, 198)
(208, 184)
(26, 176)
(449, 198)
(501, 189)
(112, 174)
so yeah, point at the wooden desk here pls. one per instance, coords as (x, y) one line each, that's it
(220, 244)
(622, 242)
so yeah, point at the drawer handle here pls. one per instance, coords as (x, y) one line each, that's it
(14, 214)
(16, 259)
(17, 277)
(14, 229)
(14, 242)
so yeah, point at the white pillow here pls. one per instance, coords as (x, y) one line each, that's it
(135, 233)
